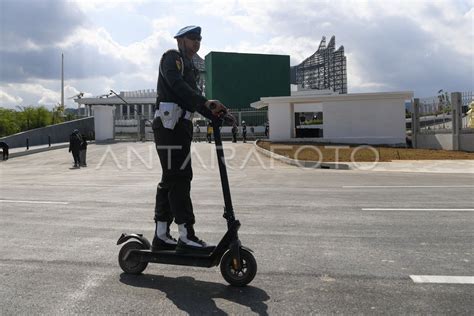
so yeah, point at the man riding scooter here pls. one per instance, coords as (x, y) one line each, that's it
(178, 99)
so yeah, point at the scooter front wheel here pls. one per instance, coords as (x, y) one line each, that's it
(239, 276)
(131, 265)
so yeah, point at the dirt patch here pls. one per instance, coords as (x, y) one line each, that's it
(358, 153)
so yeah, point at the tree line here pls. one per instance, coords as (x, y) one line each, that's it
(24, 118)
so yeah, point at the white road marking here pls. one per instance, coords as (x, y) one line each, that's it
(442, 279)
(422, 209)
(88, 185)
(404, 186)
(34, 202)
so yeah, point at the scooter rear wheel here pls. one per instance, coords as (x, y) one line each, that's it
(131, 265)
(242, 276)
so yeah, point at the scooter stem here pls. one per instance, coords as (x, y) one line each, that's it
(228, 208)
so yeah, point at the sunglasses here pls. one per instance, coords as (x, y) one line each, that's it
(194, 37)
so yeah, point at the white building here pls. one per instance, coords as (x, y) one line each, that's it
(136, 103)
(358, 118)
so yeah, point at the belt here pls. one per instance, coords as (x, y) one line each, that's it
(185, 115)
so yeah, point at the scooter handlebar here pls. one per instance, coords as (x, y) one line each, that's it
(224, 118)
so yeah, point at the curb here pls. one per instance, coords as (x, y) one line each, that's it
(36, 150)
(302, 163)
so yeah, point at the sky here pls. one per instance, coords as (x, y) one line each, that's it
(390, 45)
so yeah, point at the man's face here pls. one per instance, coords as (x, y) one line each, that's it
(192, 42)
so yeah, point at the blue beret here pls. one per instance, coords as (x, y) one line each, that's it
(188, 30)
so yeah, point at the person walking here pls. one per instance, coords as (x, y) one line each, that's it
(75, 141)
(83, 152)
(178, 99)
(235, 131)
(5, 150)
(210, 130)
(244, 131)
(197, 131)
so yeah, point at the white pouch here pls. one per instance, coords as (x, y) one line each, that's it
(169, 113)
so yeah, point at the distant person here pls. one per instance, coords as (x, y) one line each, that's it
(267, 129)
(4, 146)
(83, 152)
(75, 141)
(409, 142)
(210, 130)
(470, 115)
(197, 131)
(244, 131)
(235, 131)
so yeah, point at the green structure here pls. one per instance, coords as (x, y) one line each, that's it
(240, 79)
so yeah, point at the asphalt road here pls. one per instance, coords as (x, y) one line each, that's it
(326, 241)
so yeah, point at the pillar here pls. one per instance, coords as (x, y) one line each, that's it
(103, 122)
(456, 104)
(415, 122)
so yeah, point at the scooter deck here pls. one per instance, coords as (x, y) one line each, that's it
(171, 257)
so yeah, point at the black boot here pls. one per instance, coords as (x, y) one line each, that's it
(162, 240)
(189, 243)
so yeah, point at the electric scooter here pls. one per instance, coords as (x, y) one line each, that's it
(237, 264)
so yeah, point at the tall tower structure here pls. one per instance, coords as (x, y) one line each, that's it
(325, 69)
(62, 80)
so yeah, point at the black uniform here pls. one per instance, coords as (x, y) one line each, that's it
(4, 146)
(177, 84)
(83, 152)
(75, 142)
(244, 133)
(234, 134)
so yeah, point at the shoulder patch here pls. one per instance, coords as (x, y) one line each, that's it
(179, 64)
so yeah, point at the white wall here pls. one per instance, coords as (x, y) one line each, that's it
(103, 122)
(445, 141)
(308, 107)
(467, 142)
(281, 120)
(369, 118)
(365, 121)
(435, 141)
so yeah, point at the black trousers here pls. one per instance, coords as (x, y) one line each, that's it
(173, 199)
(76, 156)
(5, 153)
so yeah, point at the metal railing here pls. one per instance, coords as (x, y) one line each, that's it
(435, 113)
(135, 127)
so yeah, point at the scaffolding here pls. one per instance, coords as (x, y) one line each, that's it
(325, 69)
(200, 65)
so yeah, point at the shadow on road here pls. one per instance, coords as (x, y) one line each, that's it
(197, 297)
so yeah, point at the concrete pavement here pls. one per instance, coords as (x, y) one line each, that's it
(326, 241)
(430, 166)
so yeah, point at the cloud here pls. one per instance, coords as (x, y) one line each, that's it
(44, 95)
(33, 50)
(27, 25)
(6, 98)
(89, 5)
(391, 45)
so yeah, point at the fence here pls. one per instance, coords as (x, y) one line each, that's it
(447, 128)
(138, 127)
(467, 99)
(435, 113)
